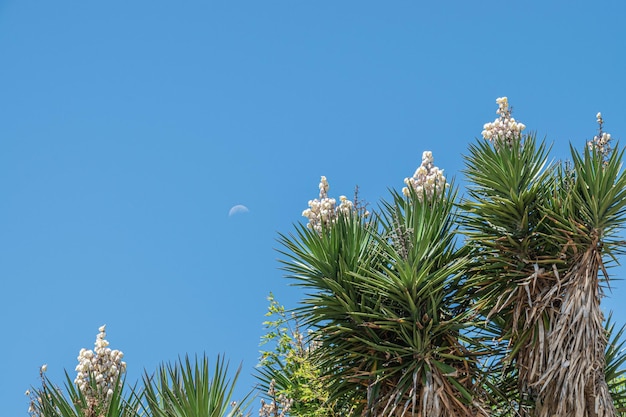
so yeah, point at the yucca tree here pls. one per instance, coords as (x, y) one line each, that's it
(589, 208)
(189, 389)
(502, 219)
(539, 238)
(381, 296)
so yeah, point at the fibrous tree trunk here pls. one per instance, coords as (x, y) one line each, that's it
(572, 383)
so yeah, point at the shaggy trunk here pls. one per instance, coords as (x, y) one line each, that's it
(535, 308)
(435, 396)
(573, 383)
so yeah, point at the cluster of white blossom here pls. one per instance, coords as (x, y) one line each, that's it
(102, 364)
(428, 180)
(278, 407)
(323, 212)
(602, 141)
(504, 129)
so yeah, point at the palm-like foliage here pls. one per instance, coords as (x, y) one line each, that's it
(49, 401)
(187, 389)
(538, 239)
(382, 296)
(503, 217)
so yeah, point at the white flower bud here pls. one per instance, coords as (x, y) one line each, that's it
(427, 179)
(505, 128)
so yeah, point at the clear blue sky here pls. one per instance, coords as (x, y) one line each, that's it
(129, 129)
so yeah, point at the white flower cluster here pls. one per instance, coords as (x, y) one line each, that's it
(102, 364)
(602, 141)
(504, 129)
(323, 212)
(428, 180)
(277, 406)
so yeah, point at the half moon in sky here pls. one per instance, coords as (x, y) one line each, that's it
(239, 208)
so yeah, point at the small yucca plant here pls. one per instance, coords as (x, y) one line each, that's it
(189, 389)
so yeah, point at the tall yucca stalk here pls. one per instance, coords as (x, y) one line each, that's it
(382, 298)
